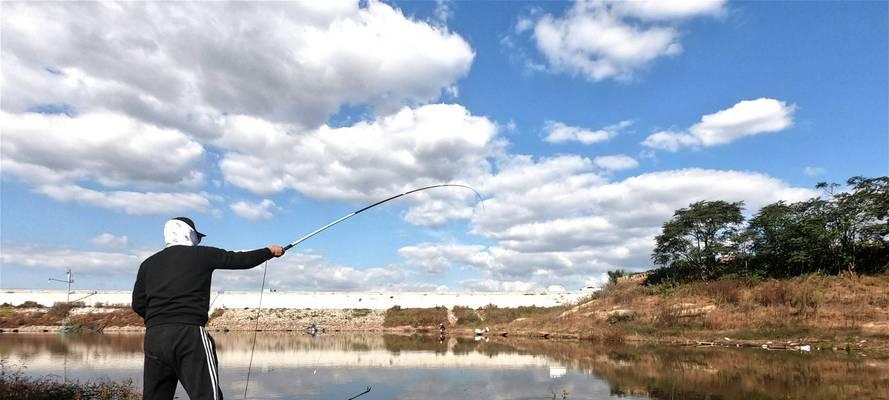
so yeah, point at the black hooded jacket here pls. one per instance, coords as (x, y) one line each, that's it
(173, 285)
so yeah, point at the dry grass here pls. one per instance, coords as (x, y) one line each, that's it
(814, 305)
(15, 385)
(415, 317)
(60, 314)
(98, 321)
(466, 316)
(16, 317)
(492, 314)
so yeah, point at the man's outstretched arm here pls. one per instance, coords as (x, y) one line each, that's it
(222, 259)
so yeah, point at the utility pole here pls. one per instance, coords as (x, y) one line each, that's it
(69, 281)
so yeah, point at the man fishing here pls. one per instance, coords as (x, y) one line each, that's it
(172, 295)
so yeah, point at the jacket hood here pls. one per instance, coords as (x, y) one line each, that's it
(178, 233)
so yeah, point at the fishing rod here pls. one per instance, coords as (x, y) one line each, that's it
(360, 394)
(322, 229)
(354, 213)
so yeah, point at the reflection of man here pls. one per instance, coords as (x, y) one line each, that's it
(172, 295)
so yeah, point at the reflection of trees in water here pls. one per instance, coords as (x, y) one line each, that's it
(29, 345)
(693, 373)
(656, 372)
(399, 343)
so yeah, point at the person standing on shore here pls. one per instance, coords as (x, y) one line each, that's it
(172, 295)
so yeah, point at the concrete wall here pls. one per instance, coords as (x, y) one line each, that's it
(316, 300)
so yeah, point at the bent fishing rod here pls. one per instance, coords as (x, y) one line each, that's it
(354, 213)
(322, 229)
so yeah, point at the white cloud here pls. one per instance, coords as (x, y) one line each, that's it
(78, 261)
(746, 118)
(666, 10)
(146, 84)
(814, 171)
(111, 149)
(109, 240)
(187, 65)
(136, 203)
(557, 132)
(617, 162)
(367, 161)
(254, 211)
(613, 39)
(438, 259)
(443, 11)
(301, 271)
(554, 221)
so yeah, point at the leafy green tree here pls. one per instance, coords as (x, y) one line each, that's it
(869, 200)
(695, 241)
(873, 196)
(792, 239)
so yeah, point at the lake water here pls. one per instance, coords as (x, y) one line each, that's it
(297, 366)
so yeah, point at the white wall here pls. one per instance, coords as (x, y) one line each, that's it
(316, 300)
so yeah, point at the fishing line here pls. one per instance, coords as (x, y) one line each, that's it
(322, 229)
(265, 270)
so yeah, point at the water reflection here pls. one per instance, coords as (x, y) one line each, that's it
(295, 366)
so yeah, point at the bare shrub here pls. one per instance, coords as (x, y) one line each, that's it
(723, 292)
(15, 385)
(30, 304)
(415, 317)
(466, 315)
(771, 293)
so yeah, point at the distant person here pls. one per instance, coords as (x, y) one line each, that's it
(313, 329)
(172, 295)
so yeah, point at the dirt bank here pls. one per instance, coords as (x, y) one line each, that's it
(812, 312)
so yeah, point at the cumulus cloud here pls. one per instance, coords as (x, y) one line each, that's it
(557, 132)
(139, 87)
(656, 10)
(254, 211)
(135, 203)
(555, 221)
(617, 162)
(746, 118)
(109, 240)
(366, 161)
(613, 39)
(112, 149)
(187, 65)
(60, 259)
(438, 259)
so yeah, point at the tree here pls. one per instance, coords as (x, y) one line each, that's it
(873, 196)
(697, 238)
(792, 239)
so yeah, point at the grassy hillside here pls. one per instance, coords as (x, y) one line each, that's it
(839, 309)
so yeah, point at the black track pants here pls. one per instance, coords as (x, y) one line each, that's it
(185, 353)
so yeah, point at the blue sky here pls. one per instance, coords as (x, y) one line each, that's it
(583, 125)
